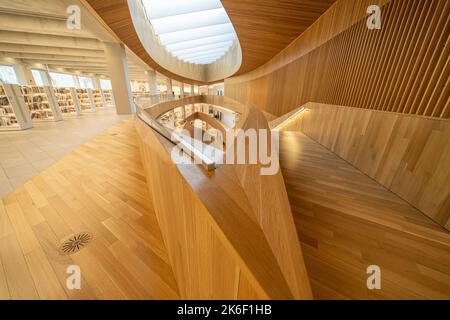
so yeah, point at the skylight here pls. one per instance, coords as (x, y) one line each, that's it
(195, 31)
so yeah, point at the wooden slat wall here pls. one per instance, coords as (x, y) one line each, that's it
(404, 67)
(339, 17)
(409, 155)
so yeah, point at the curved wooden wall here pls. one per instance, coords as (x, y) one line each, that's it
(159, 109)
(268, 198)
(230, 234)
(265, 27)
(409, 155)
(404, 67)
(213, 122)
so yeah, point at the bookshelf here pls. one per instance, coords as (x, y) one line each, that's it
(66, 102)
(41, 102)
(85, 100)
(109, 99)
(14, 114)
(137, 94)
(98, 98)
(8, 119)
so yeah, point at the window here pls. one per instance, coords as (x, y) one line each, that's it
(37, 77)
(62, 80)
(86, 82)
(105, 84)
(7, 74)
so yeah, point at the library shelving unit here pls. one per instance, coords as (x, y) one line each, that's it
(13, 110)
(109, 98)
(137, 94)
(75, 100)
(85, 100)
(98, 98)
(66, 102)
(42, 103)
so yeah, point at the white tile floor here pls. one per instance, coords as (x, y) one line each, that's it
(23, 154)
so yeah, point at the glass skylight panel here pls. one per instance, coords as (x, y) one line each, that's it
(216, 52)
(226, 45)
(192, 29)
(213, 57)
(190, 21)
(159, 9)
(201, 42)
(204, 59)
(203, 62)
(198, 33)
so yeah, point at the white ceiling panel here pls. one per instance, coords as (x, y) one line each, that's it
(160, 9)
(198, 33)
(190, 29)
(225, 44)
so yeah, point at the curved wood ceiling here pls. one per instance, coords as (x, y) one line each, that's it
(115, 16)
(264, 27)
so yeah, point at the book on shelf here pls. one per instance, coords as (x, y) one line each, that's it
(65, 101)
(83, 97)
(98, 100)
(7, 115)
(37, 101)
(108, 97)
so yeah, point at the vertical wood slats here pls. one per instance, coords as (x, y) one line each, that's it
(404, 67)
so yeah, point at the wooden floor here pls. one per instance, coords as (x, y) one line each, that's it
(347, 221)
(99, 187)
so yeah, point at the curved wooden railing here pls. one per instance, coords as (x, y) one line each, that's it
(229, 233)
(213, 122)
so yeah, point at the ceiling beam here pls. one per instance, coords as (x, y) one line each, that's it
(37, 39)
(66, 63)
(22, 48)
(29, 24)
(39, 56)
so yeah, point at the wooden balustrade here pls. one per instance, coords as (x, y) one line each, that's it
(230, 234)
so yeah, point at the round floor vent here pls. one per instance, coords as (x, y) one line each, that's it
(75, 243)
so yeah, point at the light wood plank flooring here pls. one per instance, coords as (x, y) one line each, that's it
(99, 187)
(24, 154)
(346, 221)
